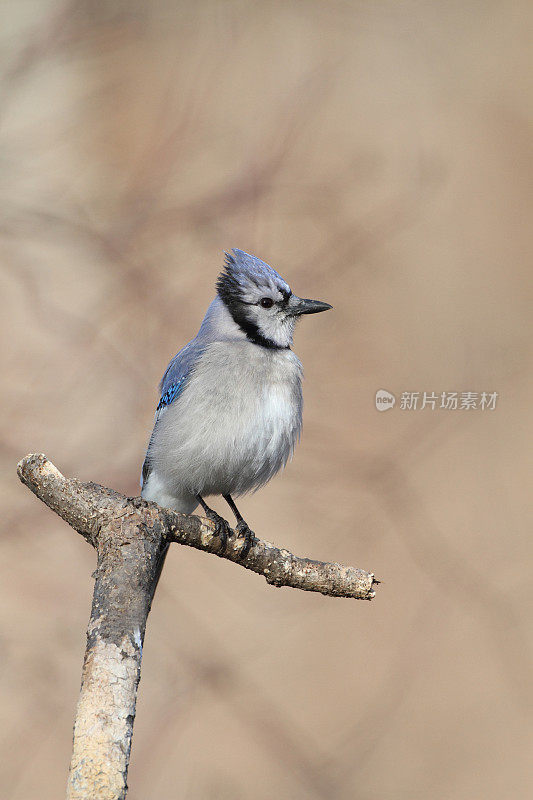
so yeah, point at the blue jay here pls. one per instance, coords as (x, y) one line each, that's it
(230, 411)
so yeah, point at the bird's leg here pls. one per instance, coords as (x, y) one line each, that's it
(222, 528)
(242, 527)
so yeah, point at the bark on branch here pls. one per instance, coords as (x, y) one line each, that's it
(131, 537)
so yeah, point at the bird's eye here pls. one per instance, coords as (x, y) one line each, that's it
(266, 302)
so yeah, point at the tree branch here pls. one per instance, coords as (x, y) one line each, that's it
(87, 507)
(131, 537)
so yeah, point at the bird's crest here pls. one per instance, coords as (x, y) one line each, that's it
(244, 274)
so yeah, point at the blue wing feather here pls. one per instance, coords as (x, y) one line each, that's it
(171, 393)
(178, 373)
(172, 385)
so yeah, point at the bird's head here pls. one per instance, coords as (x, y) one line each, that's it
(260, 301)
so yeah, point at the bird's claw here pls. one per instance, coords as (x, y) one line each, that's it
(222, 529)
(244, 532)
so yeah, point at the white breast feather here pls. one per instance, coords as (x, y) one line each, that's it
(236, 423)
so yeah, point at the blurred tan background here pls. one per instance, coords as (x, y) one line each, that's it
(378, 155)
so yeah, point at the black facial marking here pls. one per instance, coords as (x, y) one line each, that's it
(227, 285)
(286, 297)
(238, 312)
(229, 291)
(252, 332)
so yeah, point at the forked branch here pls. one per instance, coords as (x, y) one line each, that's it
(88, 507)
(131, 538)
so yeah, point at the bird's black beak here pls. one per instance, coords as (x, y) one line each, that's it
(299, 306)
